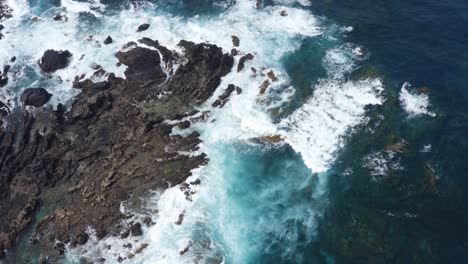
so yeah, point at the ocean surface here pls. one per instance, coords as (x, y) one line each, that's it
(371, 103)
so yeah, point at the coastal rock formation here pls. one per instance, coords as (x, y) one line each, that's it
(143, 27)
(53, 60)
(4, 75)
(223, 98)
(36, 97)
(108, 40)
(242, 61)
(112, 143)
(235, 41)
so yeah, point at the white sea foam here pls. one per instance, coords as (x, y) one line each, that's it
(413, 103)
(288, 2)
(381, 163)
(319, 129)
(426, 148)
(93, 6)
(48, 34)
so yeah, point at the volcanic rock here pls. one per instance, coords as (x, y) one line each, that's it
(235, 41)
(53, 60)
(143, 27)
(6, 69)
(272, 76)
(223, 98)
(108, 40)
(184, 125)
(60, 17)
(4, 109)
(135, 230)
(242, 61)
(264, 86)
(36, 97)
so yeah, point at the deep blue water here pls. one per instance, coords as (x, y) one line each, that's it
(423, 42)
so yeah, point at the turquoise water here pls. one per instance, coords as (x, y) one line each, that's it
(367, 173)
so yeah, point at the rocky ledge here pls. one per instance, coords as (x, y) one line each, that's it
(113, 142)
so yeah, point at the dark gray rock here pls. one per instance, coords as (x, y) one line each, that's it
(242, 61)
(235, 41)
(224, 97)
(143, 27)
(36, 97)
(53, 60)
(3, 81)
(143, 66)
(135, 230)
(108, 40)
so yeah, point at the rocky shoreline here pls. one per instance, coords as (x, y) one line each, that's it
(111, 143)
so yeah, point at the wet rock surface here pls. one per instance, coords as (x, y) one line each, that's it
(235, 41)
(108, 40)
(224, 97)
(243, 60)
(111, 144)
(53, 60)
(36, 97)
(143, 27)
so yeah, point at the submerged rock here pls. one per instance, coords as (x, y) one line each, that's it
(53, 60)
(141, 248)
(36, 97)
(271, 139)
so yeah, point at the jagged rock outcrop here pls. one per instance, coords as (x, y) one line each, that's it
(143, 27)
(108, 40)
(243, 60)
(53, 60)
(36, 97)
(112, 143)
